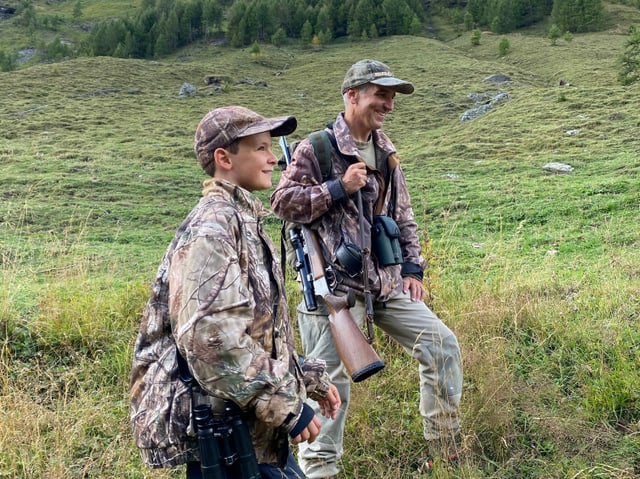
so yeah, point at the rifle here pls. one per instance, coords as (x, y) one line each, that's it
(354, 350)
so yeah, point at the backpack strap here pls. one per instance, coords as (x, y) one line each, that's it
(322, 148)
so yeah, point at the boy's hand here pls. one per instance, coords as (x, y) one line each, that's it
(309, 433)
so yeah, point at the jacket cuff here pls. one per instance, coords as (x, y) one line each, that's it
(306, 416)
(315, 377)
(412, 269)
(336, 190)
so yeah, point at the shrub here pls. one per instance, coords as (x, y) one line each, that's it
(503, 46)
(475, 37)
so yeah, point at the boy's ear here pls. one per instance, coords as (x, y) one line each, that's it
(222, 159)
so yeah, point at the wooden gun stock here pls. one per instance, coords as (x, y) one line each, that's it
(356, 353)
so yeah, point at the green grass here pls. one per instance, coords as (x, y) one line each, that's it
(537, 273)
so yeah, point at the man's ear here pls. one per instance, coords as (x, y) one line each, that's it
(222, 159)
(352, 94)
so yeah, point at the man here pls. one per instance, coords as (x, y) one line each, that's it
(221, 287)
(367, 165)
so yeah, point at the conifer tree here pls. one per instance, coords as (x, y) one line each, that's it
(7, 61)
(373, 31)
(279, 37)
(468, 21)
(475, 37)
(554, 34)
(211, 14)
(503, 46)
(77, 9)
(353, 29)
(364, 12)
(629, 70)
(306, 35)
(578, 15)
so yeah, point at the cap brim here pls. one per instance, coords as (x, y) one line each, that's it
(279, 126)
(398, 85)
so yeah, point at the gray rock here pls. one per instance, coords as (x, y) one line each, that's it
(473, 113)
(187, 89)
(498, 78)
(558, 168)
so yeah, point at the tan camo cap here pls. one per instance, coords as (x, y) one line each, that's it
(222, 126)
(372, 71)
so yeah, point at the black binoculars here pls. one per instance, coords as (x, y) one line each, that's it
(385, 241)
(226, 450)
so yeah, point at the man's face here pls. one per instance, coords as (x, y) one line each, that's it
(371, 105)
(254, 162)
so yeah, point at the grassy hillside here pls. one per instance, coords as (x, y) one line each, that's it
(537, 273)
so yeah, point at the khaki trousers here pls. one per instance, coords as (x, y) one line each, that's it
(423, 336)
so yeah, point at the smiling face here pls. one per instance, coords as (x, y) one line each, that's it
(366, 109)
(251, 167)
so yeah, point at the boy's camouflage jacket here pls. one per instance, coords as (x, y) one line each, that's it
(302, 197)
(220, 296)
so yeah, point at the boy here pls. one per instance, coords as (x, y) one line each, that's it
(224, 299)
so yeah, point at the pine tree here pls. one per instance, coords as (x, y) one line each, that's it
(503, 46)
(279, 38)
(77, 9)
(255, 50)
(475, 37)
(578, 15)
(554, 34)
(7, 61)
(306, 35)
(629, 70)
(353, 29)
(468, 21)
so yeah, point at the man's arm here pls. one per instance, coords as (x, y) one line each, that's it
(301, 196)
(414, 263)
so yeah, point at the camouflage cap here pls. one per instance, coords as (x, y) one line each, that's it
(372, 71)
(222, 126)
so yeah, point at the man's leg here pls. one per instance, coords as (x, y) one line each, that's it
(426, 338)
(320, 458)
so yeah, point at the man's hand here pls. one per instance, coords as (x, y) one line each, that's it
(414, 287)
(309, 433)
(330, 405)
(355, 177)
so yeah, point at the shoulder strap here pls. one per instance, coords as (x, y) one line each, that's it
(322, 148)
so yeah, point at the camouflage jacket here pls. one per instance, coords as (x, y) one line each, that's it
(219, 296)
(302, 197)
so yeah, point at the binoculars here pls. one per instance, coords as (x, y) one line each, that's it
(385, 244)
(224, 443)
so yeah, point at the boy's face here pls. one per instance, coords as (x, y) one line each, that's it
(254, 162)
